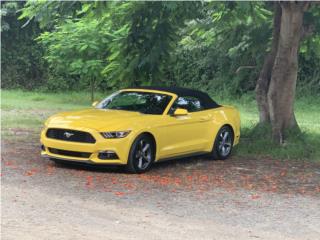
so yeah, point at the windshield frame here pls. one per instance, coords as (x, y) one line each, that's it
(166, 110)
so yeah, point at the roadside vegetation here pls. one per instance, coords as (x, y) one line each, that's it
(63, 54)
(23, 114)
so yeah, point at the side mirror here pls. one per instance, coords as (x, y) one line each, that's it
(95, 103)
(180, 112)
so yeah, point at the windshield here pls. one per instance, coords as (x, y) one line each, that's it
(143, 102)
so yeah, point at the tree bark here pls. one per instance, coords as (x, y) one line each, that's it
(285, 69)
(263, 81)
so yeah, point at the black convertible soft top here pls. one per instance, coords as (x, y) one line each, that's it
(183, 92)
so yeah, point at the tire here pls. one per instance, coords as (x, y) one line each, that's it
(141, 155)
(223, 143)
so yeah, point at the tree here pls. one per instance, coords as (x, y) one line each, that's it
(276, 85)
(144, 35)
(78, 48)
(262, 86)
(222, 50)
(149, 33)
(195, 44)
(21, 59)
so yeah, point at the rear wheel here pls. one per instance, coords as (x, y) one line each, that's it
(142, 154)
(223, 143)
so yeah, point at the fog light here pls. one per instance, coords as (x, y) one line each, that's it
(107, 155)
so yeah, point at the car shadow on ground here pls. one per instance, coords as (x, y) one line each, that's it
(184, 162)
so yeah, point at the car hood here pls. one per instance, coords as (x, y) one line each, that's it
(98, 119)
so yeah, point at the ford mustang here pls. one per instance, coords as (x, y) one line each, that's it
(136, 127)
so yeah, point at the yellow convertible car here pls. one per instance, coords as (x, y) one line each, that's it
(138, 126)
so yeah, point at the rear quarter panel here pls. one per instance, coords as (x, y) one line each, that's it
(225, 115)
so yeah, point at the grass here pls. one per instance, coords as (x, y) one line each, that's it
(22, 100)
(26, 111)
(257, 142)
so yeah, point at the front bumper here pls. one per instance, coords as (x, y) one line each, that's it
(119, 146)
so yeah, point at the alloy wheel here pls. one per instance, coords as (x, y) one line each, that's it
(225, 142)
(143, 154)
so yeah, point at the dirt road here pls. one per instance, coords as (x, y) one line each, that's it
(186, 199)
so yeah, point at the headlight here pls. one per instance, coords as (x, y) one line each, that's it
(116, 134)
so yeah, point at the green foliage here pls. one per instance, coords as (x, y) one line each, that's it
(49, 13)
(77, 49)
(225, 50)
(21, 58)
(309, 59)
(7, 9)
(216, 46)
(147, 35)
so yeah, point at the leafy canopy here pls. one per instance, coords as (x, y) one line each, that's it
(208, 45)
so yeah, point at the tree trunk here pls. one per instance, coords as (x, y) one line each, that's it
(263, 81)
(284, 73)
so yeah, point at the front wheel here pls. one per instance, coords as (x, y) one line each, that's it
(223, 143)
(142, 154)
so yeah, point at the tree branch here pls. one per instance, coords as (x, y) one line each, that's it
(244, 67)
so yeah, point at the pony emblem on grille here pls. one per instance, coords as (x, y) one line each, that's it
(68, 134)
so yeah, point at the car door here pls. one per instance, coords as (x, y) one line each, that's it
(188, 133)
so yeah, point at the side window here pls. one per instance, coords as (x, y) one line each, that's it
(192, 104)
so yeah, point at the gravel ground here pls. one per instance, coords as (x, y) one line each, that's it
(186, 199)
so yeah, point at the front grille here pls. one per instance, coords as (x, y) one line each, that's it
(69, 153)
(70, 135)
